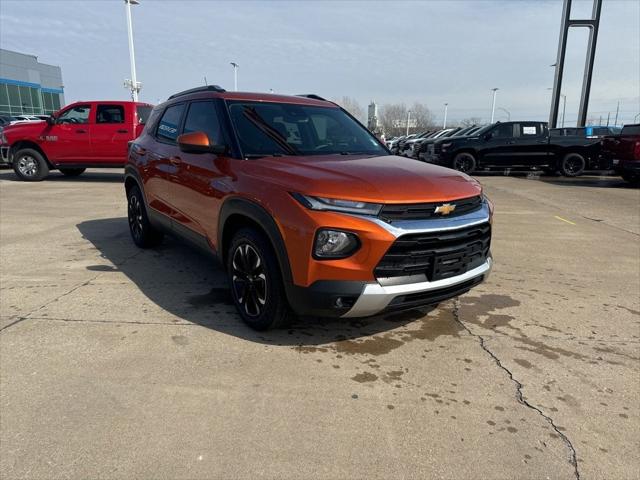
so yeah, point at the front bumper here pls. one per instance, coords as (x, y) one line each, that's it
(4, 154)
(351, 298)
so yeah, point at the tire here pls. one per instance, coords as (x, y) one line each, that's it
(572, 165)
(72, 172)
(144, 235)
(255, 281)
(465, 162)
(30, 165)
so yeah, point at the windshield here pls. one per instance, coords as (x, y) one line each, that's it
(484, 129)
(267, 128)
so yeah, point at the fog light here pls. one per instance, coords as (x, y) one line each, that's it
(334, 244)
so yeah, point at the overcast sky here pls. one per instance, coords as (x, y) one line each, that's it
(429, 51)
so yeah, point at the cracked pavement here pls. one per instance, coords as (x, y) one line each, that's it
(120, 363)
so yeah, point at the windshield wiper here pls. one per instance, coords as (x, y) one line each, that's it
(261, 155)
(267, 129)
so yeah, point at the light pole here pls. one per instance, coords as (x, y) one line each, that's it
(235, 75)
(564, 107)
(444, 123)
(493, 105)
(408, 117)
(507, 112)
(132, 84)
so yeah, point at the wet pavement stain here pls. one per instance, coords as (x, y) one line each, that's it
(364, 377)
(180, 340)
(523, 363)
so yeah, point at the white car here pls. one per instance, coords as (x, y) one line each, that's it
(25, 118)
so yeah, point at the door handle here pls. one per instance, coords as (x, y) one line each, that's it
(175, 160)
(81, 130)
(122, 130)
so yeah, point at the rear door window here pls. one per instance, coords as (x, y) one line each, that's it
(529, 130)
(503, 131)
(169, 124)
(110, 114)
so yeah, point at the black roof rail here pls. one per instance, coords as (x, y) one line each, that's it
(313, 96)
(206, 88)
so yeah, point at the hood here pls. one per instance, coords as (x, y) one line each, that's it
(25, 129)
(383, 179)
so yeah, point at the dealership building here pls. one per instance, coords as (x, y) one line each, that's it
(28, 86)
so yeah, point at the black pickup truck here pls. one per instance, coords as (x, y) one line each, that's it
(516, 145)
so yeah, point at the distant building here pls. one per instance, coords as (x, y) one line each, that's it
(28, 86)
(372, 119)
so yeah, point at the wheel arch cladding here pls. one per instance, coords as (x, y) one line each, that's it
(237, 213)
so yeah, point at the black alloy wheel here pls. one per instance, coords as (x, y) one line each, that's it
(249, 279)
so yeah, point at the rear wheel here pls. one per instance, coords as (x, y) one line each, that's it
(572, 165)
(256, 282)
(30, 165)
(72, 172)
(144, 235)
(464, 162)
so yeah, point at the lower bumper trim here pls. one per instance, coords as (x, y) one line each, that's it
(376, 298)
(4, 154)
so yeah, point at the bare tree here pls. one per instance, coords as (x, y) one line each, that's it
(393, 117)
(352, 106)
(467, 122)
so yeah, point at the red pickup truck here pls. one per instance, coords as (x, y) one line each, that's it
(623, 152)
(81, 135)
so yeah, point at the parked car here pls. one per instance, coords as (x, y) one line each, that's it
(427, 145)
(301, 205)
(409, 146)
(82, 135)
(516, 145)
(397, 148)
(24, 118)
(622, 152)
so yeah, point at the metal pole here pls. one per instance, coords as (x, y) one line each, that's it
(444, 123)
(608, 117)
(493, 106)
(557, 80)
(617, 111)
(588, 66)
(235, 75)
(132, 55)
(507, 112)
(564, 107)
(408, 117)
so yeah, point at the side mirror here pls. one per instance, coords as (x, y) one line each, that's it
(51, 120)
(198, 142)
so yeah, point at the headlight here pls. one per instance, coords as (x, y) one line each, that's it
(3, 138)
(446, 145)
(336, 205)
(332, 244)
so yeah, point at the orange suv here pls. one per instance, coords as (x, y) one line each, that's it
(305, 208)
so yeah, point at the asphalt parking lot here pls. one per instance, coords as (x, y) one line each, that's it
(121, 363)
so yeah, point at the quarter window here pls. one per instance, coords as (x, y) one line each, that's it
(530, 130)
(202, 118)
(169, 125)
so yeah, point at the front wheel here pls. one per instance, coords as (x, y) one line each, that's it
(72, 172)
(464, 162)
(256, 282)
(30, 165)
(572, 165)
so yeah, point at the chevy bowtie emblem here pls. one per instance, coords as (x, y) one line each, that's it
(445, 209)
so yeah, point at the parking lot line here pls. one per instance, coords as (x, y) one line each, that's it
(564, 220)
